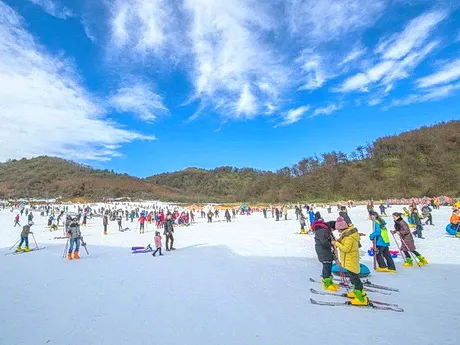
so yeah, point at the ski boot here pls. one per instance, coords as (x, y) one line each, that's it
(75, 255)
(69, 256)
(391, 271)
(381, 269)
(27, 249)
(422, 260)
(18, 249)
(329, 285)
(105, 233)
(408, 263)
(360, 299)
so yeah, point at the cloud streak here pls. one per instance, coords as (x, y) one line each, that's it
(44, 108)
(53, 8)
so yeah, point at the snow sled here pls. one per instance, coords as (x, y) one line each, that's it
(451, 229)
(393, 253)
(141, 249)
(364, 271)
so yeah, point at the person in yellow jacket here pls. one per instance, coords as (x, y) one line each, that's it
(348, 245)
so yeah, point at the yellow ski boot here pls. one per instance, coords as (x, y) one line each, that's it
(408, 263)
(379, 269)
(329, 285)
(360, 299)
(422, 260)
(26, 249)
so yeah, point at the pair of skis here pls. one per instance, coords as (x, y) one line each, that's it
(23, 251)
(373, 304)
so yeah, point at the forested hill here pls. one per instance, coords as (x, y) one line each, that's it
(49, 177)
(416, 163)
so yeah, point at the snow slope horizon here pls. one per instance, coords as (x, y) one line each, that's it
(245, 282)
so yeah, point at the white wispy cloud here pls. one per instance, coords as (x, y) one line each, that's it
(143, 26)
(313, 70)
(327, 20)
(234, 70)
(54, 8)
(448, 73)
(399, 55)
(140, 99)
(413, 36)
(433, 94)
(355, 54)
(327, 110)
(44, 107)
(294, 115)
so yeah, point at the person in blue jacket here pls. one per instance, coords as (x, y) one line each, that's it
(382, 246)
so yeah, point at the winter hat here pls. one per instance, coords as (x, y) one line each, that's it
(317, 215)
(341, 224)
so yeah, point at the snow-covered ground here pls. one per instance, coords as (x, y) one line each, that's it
(244, 282)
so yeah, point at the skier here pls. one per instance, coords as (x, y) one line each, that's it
(168, 232)
(142, 223)
(119, 219)
(426, 213)
(16, 220)
(84, 220)
(157, 239)
(30, 217)
(210, 214)
(344, 214)
(303, 223)
(416, 219)
(382, 209)
(382, 246)
(348, 244)
(323, 247)
(228, 216)
(407, 245)
(285, 212)
(105, 222)
(75, 237)
(25, 238)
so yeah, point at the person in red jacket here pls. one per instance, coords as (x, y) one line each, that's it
(142, 220)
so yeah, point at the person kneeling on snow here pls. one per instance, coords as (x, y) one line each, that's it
(25, 238)
(75, 237)
(348, 244)
(323, 247)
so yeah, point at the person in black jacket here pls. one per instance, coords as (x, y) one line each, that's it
(344, 214)
(324, 250)
(168, 232)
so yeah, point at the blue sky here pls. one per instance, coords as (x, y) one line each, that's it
(150, 86)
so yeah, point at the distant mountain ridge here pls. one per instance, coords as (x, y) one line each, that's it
(421, 162)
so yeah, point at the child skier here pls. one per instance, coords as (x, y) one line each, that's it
(303, 223)
(157, 239)
(382, 247)
(348, 244)
(344, 214)
(407, 241)
(25, 238)
(323, 247)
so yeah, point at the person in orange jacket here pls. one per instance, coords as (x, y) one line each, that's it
(455, 220)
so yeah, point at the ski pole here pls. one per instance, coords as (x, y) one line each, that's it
(374, 247)
(83, 243)
(33, 236)
(65, 248)
(14, 244)
(411, 254)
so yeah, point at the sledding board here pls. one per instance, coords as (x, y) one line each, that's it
(451, 229)
(364, 270)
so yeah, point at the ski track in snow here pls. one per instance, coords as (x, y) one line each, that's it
(244, 282)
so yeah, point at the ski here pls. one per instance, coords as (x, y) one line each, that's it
(348, 304)
(346, 286)
(345, 295)
(375, 286)
(23, 252)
